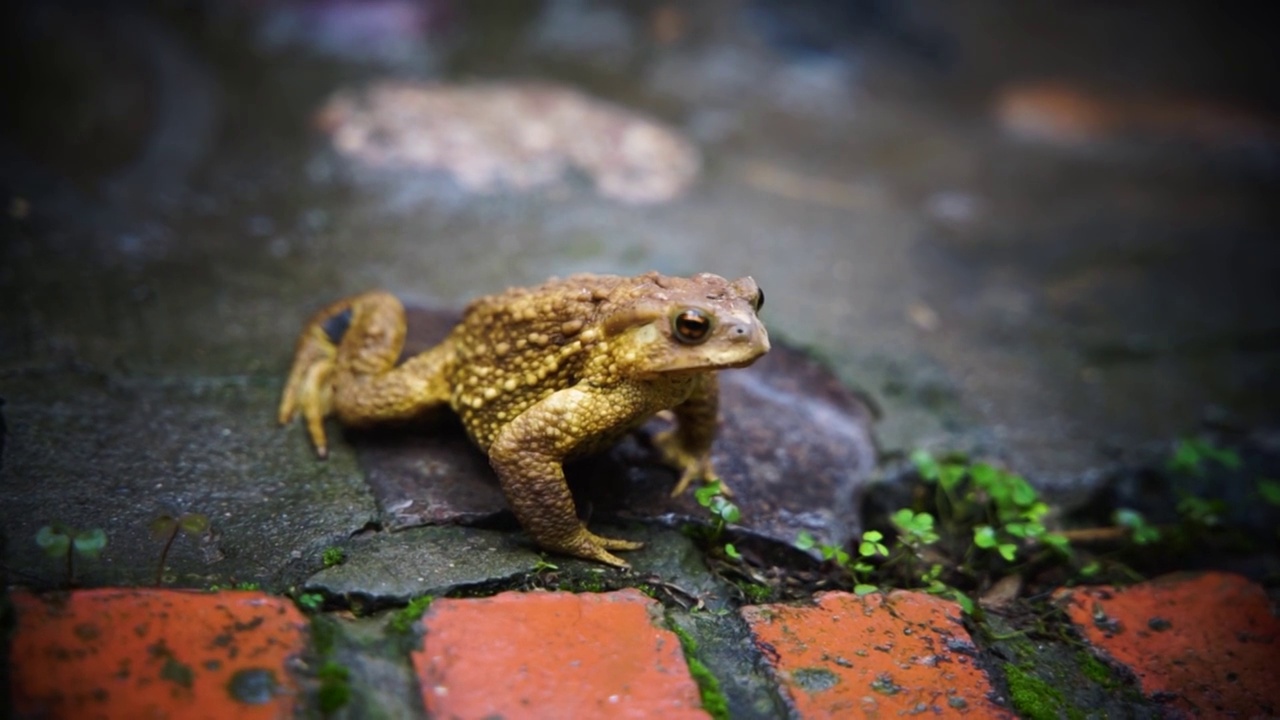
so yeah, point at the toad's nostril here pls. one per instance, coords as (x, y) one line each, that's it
(739, 332)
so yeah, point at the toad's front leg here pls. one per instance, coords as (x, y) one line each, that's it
(345, 364)
(687, 446)
(528, 456)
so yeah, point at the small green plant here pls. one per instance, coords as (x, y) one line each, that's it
(402, 620)
(167, 527)
(1002, 510)
(723, 512)
(1204, 512)
(984, 536)
(1269, 490)
(1192, 456)
(333, 556)
(1142, 532)
(310, 602)
(63, 542)
(915, 528)
(544, 565)
(859, 569)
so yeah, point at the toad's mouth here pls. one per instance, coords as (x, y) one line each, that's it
(692, 364)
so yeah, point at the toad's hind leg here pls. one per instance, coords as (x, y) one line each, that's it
(344, 364)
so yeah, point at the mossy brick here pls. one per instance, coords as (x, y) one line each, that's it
(1202, 644)
(553, 654)
(146, 653)
(898, 655)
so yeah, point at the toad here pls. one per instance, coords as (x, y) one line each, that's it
(541, 375)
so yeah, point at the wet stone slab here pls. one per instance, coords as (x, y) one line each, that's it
(393, 568)
(94, 452)
(794, 445)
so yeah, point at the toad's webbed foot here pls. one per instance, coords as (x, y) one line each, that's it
(692, 466)
(588, 545)
(309, 389)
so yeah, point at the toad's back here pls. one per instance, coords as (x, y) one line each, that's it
(516, 347)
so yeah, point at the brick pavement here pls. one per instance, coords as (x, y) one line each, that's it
(1206, 645)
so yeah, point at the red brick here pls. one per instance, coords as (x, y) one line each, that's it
(1206, 644)
(110, 653)
(902, 655)
(553, 655)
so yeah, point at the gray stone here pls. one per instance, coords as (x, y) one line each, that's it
(394, 567)
(92, 452)
(381, 678)
(725, 646)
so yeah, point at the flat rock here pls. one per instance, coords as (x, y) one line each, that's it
(392, 568)
(92, 452)
(794, 445)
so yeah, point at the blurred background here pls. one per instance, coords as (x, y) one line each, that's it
(1039, 231)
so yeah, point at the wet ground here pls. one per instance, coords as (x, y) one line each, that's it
(1060, 292)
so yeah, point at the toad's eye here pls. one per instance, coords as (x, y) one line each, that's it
(758, 301)
(691, 326)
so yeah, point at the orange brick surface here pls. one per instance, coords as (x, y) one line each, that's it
(1206, 644)
(111, 653)
(553, 655)
(903, 655)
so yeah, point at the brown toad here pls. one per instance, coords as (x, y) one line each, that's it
(539, 375)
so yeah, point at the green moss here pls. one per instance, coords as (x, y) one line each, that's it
(586, 580)
(593, 582)
(324, 634)
(1096, 671)
(335, 678)
(1034, 698)
(219, 587)
(756, 594)
(333, 556)
(687, 641)
(403, 619)
(713, 699)
(335, 686)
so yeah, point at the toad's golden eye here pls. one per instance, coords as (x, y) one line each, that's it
(758, 301)
(691, 326)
